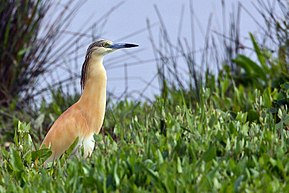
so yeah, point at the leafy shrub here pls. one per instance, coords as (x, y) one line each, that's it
(200, 150)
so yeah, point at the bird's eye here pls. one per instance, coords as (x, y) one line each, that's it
(106, 44)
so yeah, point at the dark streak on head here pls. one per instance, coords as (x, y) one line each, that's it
(84, 71)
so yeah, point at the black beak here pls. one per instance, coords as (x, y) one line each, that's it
(122, 45)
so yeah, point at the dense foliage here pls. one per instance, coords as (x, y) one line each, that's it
(166, 147)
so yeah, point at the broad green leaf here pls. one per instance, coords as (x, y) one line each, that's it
(15, 161)
(259, 54)
(250, 67)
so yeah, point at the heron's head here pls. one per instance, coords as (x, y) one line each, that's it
(102, 47)
(98, 49)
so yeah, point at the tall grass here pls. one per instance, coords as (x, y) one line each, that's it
(223, 55)
(25, 52)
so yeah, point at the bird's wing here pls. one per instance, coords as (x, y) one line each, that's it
(70, 125)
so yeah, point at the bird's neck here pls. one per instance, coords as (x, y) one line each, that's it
(93, 99)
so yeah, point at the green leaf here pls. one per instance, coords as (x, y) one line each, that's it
(238, 183)
(23, 51)
(267, 100)
(15, 161)
(252, 116)
(23, 128)
(224, 86)
(285, 86)
(210, 154)
(160, 156)
(16, 141)
(115, 175)
(41, 154)
(179, 165)
(259, 54)
(251, 68)
(71, 150)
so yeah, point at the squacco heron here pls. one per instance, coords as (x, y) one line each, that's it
(84, 118)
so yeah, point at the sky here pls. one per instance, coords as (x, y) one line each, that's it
(129, 23)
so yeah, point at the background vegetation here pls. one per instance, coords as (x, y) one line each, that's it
(224, 131)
